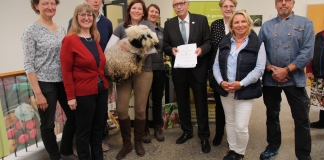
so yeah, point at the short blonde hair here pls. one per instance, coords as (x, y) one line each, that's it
(221, 2)
(75, 26)
(246, 16)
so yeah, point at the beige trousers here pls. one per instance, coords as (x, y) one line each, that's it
(141, 85)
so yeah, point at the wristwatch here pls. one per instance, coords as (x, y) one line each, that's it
(242, 85)
(272, 70)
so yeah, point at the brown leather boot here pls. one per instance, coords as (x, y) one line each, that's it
(138, 135)
(125, 130)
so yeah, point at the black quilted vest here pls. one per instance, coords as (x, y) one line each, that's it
(246, 62)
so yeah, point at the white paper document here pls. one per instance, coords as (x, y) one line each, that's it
(186, 56)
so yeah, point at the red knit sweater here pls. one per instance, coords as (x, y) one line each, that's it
(79, 69)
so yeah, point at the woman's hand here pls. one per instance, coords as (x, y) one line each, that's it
(73, 104)
(124, 48)
(227, 87)
(310, 76)
(41, 101)
(236, 85)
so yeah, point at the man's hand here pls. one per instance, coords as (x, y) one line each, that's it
(175, 51)
(280, 74)
(198, 51)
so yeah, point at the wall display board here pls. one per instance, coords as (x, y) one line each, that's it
(210, 9)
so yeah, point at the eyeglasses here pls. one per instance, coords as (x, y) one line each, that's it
(180, 3)
(83, 15)
(281, 1)
(231, 7)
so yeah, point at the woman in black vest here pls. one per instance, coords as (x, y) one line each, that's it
(238, 67)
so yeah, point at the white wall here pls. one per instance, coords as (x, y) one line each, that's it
(15, 16)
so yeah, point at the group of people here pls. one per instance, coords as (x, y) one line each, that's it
(234, 58)
(69, 67)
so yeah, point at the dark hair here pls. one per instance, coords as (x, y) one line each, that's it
(33, 2)
(128, 18)
(155, 6)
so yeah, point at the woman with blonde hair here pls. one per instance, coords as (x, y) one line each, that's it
(41, 43)
(239, 64)
(85, 84)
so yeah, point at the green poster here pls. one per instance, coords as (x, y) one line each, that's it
(209, 9)
(4, 144)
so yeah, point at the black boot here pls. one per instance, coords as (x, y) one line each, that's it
(320, 122)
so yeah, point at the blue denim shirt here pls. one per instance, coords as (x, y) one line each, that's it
(288, 41)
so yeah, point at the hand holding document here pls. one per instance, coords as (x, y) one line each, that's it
(186, 56)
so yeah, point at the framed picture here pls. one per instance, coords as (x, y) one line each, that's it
(257, 20)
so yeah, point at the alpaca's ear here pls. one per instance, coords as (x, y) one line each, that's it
(137, 43)
(149, 36)
(157, 46)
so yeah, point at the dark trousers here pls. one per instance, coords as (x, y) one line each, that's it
(90, 113)
(321, 116)
(220, 115)
(299, 104)
(157, 90)
(54, 92)
(200, 97)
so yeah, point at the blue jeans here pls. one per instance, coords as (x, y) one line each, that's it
(90, 113)
(299, 105)
(53, 92)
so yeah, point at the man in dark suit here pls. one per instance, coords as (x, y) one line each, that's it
(188, 28)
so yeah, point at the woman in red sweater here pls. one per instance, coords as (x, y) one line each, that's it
(85, 84)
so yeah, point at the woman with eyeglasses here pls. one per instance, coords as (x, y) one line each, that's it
(141, 83)
(239, 64)
(41, 43)
(85, 84)
(219, 28)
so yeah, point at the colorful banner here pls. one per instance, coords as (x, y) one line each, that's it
(4, 143)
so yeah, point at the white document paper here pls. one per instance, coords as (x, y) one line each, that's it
(186, 56)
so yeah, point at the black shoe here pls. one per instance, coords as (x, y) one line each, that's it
(230, 155)
(184, 138)
(205, 147)
(239, 157)
(146, 137)
(317, 124)
(217, 140)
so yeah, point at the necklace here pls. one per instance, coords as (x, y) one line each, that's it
(87, 39)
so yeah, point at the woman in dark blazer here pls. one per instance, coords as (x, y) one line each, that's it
(218, 30)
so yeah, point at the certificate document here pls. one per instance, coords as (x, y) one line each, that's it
(186, 56)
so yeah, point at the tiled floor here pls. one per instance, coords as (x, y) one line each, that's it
(192, 150)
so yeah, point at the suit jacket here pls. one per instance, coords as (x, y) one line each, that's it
(199, 33)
